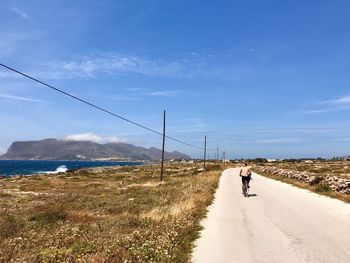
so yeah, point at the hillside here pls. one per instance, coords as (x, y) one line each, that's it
(53, 149)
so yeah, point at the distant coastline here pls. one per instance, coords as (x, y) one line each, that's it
(11, 168)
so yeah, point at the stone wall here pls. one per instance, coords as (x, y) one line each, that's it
(335, 183)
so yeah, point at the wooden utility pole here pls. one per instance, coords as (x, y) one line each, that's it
(162, 168)
(205, 149)
(223, 157)
(217, 154)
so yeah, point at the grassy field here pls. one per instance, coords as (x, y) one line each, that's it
(120, 214)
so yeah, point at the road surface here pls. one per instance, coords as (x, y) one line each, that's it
(278, 223)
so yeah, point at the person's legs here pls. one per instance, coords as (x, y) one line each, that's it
(245, 184)
(243, 190)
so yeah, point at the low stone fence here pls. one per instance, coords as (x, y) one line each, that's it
(338, 184)
(335, 183)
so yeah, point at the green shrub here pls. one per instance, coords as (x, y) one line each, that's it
(10, 225)
(2, 194)
(83, 247)
(213, 167)
(321, 188)
(196, 171)
(50, 216)
(54, 254)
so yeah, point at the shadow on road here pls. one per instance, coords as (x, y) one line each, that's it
(252, 195)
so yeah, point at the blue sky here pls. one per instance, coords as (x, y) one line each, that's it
(259, 78)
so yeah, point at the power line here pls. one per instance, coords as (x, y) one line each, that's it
(96, 107)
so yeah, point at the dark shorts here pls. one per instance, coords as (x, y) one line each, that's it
(245, 179)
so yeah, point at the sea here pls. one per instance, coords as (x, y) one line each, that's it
(21, 167)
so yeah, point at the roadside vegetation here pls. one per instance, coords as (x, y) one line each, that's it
(321, 169)
(114, 214)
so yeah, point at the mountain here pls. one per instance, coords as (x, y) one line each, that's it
(53, 149)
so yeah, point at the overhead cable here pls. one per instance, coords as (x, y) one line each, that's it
(96, 107)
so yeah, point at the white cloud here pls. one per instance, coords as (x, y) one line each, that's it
(121, 98)
(342, 101)
(134, 89)
(278, 141)
(2, 150)
(141, 92)
(84, 137)
(93, 138)
(113, 139)
(12, 97)
(164, 93)
(339, 104)
(317, 111)
(92, 65)
(19, 12)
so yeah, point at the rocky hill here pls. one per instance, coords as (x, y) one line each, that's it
(53, 149)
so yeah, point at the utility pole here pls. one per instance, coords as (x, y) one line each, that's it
(205, 150)
(162, 168)
(217, 154)
(223, 157)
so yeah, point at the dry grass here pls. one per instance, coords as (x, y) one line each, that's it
(120, 214)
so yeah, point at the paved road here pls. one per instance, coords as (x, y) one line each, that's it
(280, 223)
